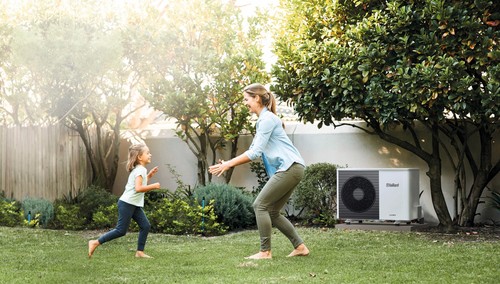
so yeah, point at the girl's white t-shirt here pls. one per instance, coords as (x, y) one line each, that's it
(131, 196)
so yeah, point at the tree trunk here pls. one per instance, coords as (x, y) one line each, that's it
(468, 212)
(438, 200)
(234, 150)
(434, 174)
(481, 179)
(201, 170)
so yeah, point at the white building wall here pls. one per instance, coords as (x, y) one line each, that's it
(344, 146)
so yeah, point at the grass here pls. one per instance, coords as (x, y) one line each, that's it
(47, 256)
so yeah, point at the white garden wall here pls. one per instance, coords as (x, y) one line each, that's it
(344, 146)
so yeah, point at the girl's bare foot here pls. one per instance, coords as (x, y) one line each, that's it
(301, 250)
(141, 254)
(93, 244)
(261, 255)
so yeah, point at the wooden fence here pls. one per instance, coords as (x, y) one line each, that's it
(42, 162)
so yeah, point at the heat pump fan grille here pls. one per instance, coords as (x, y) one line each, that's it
(358, 194)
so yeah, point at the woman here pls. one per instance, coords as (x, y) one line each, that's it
(283, 163)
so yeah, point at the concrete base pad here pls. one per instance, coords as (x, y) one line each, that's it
(381, 226)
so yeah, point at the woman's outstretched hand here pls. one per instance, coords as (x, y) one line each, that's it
(218, 169)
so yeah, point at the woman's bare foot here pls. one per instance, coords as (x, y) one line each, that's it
(261, 255)
(141, 254)
(93, 244)
(301, 250)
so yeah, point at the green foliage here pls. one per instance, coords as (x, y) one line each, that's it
(51, 256)
(10, 213)
(34, 222)
(94, 198)
(40, 209)
(391, 60)
(232, 206)
(154, 197)
(105, 217)
(78, 212)
(396, 63)
(222, 51)
(316, 194)
(71, 198)
(76, 65)
(67, 216)
(260, 171)
(179, 217)
(182, 190)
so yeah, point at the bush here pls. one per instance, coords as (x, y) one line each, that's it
(232, 206)
(105, 217)
(40, 209)
(178, 217)
(316, 194)
(10, 213)
(67, 216)
(93, 198)
(78, 212)
(152, 198)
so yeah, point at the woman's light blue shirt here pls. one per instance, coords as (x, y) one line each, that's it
(271, 139)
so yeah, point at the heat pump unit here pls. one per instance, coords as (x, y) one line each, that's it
(378, 194)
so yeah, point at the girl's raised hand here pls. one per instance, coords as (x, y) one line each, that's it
(153, 172)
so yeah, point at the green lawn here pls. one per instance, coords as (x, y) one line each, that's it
(46, 256)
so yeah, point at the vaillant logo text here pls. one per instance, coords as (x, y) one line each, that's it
(391, 184)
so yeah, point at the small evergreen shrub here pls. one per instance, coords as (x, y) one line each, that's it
(92, 208)
(10, 213)
(179, 217)
(32, 222)
(67, 216)
(155, 196)
(92, 198)
(316, 194)
(39, 209)
(232, 206)
(105, 217)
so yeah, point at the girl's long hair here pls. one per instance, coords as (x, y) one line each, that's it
(134, 151)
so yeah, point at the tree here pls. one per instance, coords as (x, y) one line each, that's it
(68, 66)
(17, 103)
(201, 58)
(400, 63)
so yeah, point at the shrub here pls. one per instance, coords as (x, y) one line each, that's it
(105, 217)
(178, 217)
(90, 208)
(10, 213)
(316, 194)
(67, 216)
(232, 206)
(155, 196)
(32, 222)
(92, 198)
(40, 209)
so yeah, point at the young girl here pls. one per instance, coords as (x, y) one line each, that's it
(283, 164)
(132, 200)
